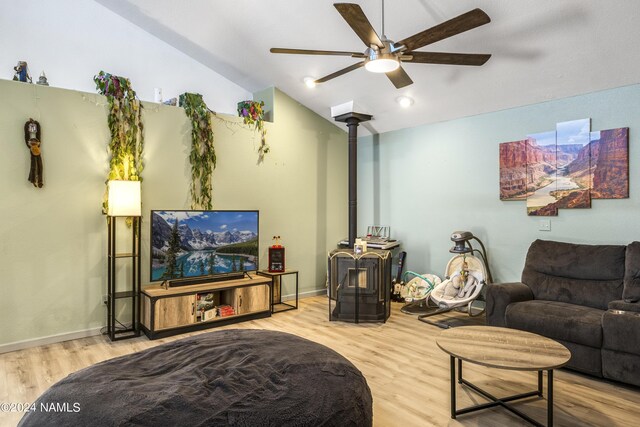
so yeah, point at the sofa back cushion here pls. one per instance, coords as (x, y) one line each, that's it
(631, 292)
(589, 275)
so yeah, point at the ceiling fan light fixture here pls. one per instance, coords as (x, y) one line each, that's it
(378, 62)
(382, 65)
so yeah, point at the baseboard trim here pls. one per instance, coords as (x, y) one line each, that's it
(307, 294)
(51, 339)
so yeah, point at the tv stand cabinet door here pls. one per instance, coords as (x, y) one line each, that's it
(252, 299)
(175, 311)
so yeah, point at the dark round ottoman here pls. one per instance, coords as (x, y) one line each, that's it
(236, 377)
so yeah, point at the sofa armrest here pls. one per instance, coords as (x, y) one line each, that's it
(500, 295)
(621, 305)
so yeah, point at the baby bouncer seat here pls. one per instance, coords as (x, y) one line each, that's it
(465, 277)
(416, 291)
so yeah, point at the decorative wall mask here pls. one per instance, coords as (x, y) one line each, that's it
(32, 137)
(565, 168)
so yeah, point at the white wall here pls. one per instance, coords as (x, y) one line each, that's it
(72, 40)
(428, 181)
(53, 240)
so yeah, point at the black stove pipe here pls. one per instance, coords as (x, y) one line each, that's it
(352, 123)
(353, 120)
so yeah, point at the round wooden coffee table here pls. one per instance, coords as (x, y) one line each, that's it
(502, 348)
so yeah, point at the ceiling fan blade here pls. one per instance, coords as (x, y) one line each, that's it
(448, 58)
(316, 52)
(357, 20)
(460, 24)
(399, 78)
(340, 72)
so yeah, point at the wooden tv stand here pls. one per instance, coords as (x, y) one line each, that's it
(175, 310)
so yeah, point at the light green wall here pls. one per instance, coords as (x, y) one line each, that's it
(428, 181)
(53, 240)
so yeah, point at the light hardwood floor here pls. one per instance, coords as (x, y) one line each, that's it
(406, 371)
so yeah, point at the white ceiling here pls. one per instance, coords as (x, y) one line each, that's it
(542, 50)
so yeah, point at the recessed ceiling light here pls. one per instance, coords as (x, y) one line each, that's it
(405, 101)
(310, 82)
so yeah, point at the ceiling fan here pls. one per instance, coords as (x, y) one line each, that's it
(384, 55)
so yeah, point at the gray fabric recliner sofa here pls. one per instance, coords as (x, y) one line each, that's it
(585, 296)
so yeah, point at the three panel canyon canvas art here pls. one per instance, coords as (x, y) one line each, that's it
(565, 168)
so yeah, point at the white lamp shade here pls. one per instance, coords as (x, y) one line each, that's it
(124, 198)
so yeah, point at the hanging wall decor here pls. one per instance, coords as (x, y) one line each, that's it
(32, 137)
(203, 153)
(565, 168)
(126, 128)
(252, 113)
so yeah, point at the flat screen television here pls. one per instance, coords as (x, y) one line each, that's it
(190, 244)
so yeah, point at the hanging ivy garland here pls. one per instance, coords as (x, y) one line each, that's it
(126, 128)
(252, 113)
(203, 153)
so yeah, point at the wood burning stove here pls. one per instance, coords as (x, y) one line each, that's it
(359, 286)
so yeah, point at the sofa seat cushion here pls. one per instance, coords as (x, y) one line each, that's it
(557, 320)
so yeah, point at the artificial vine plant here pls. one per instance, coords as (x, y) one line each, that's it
(203, 153)
(252, 113)
(126, 128)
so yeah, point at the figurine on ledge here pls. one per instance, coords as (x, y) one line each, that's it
(42, 81)
(22, 72)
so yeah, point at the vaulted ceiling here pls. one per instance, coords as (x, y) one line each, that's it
(542, 50)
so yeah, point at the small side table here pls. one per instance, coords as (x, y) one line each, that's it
(277, 305)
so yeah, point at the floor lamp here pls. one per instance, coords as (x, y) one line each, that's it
(123, 202)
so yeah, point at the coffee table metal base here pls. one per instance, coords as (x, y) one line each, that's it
(495, 401)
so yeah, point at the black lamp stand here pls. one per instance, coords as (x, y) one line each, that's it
(117, 330)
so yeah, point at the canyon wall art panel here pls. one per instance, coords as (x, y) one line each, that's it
(573, 162)
(513, 170)
(541, 174)
(610, 164)
(565, 168)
